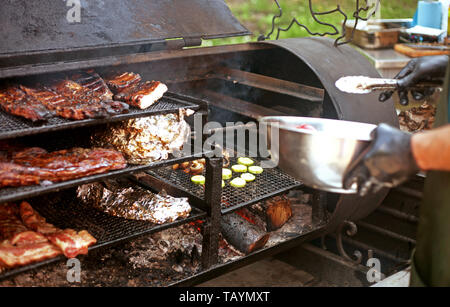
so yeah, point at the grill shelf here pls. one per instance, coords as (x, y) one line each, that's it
(270, 183)
(13, 126)
(65, 211)
(17, 193)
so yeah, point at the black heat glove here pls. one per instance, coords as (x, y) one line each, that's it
(419, 69)
(386, 162)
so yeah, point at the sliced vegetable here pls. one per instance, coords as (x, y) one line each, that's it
(238, 182)
(226, 173)
(245, 161)
(223, 183)
(198, 179)
(248, 177)
(239, 168)
(255, 170)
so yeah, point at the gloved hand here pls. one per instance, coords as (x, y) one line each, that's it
(386, 162)
(417, 70)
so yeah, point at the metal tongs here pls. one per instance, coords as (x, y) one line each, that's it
(366, 85)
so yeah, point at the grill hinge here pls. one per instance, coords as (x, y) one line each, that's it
(192, 41)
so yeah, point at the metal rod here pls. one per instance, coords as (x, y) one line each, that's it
(386, 232)
(319, 205)
(410, 192)
(398, 214)
(239, 106)
(375, 250)
(270, 84)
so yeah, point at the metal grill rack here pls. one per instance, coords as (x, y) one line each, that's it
(17, 193)
(64, 210)
(270, 183)
(14, 126)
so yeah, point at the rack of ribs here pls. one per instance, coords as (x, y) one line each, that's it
(15, 101)
(84, 95)
(30, 166)
(129, 87)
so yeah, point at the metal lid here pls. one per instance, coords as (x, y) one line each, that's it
(65, 25)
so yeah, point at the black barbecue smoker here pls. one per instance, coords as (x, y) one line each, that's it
(161, 40)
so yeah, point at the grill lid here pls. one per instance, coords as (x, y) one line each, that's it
(59, 26)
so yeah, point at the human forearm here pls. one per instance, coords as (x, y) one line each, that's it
(431, 149)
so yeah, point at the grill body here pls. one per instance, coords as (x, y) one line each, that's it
(236, 83)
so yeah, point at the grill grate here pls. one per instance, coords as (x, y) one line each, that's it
(17, 193)
(268, 184)
(64, 211)
(14, 126)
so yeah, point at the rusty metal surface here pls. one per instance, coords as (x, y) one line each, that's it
(48, 25)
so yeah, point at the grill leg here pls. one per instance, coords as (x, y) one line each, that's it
(213, 197)
(319, 204)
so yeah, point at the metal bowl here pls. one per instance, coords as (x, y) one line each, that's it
(317, 158)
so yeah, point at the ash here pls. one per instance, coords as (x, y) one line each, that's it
(153, 260)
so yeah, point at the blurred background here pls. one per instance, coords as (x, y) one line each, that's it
(257, 16)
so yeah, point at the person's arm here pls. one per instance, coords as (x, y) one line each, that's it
(393, 156)
(431, 149)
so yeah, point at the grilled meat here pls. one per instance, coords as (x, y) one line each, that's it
(85, 95)
(17, 255)
(92, 81)
(33, 165)
(34, 239)
(121, 82)
(129, 88)
(133, 202)
(15, 101)
(143, 95)
(88, 101)
(72, 243)
(10, 223)
(34, 221)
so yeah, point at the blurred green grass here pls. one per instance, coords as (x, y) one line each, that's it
(257, 15)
